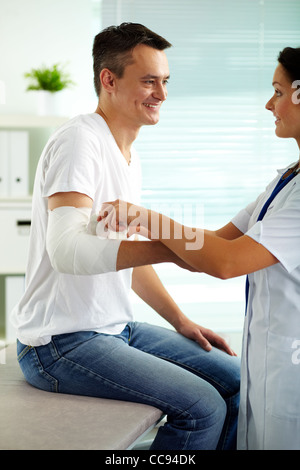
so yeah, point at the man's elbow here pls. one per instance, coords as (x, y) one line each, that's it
(60, 261)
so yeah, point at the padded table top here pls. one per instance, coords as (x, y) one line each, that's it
(31, 419)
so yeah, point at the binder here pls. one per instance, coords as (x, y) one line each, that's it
(14, 161)
(4, 164)
(18, 163)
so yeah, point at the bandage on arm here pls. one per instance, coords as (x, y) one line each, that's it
(72, 250)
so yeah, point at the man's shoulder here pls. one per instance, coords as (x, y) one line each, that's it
(79, 135)
(86, 123)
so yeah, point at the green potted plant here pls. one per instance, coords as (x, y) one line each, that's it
(47, 81)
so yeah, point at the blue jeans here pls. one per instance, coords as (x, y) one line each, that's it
(197, 390)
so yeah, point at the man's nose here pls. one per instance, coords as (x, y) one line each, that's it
(161, 92)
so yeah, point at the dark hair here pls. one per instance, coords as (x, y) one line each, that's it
(289, 58)
(113, 46)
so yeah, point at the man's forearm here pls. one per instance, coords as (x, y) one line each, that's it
(140, 253)
(147, 285)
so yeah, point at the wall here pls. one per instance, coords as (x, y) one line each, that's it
(44, 32)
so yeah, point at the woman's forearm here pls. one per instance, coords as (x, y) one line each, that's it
(186, 243)
(208, 252)
(225, 253)
(140, 253)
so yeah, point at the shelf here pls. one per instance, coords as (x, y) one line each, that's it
(10, 203)
(30, 121)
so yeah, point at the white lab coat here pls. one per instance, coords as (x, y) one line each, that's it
(269, 416)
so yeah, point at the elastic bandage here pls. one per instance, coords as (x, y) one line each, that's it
(73, 249)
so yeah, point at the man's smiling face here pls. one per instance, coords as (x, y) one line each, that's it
(141, 91)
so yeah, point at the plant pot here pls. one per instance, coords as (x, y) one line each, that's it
(47, 103)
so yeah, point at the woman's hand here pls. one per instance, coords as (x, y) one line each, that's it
(121, 215)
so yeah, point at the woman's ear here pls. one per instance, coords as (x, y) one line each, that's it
(107, 80)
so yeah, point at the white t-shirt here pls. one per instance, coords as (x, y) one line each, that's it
(270, 378)
(81, 156)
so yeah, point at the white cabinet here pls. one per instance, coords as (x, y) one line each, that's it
(15, 220)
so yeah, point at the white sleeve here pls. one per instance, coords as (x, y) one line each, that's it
(73, 163)
(242, 218)
(279, 232)
(72, 250)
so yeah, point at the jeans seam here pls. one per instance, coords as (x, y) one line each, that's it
(228, 402)
(227, 424)
(56, 349)
(23, 353)
(53, 381)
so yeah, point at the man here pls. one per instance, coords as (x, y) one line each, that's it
(75, 319)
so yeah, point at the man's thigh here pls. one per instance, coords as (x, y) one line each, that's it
(108, 367)
(215, 366)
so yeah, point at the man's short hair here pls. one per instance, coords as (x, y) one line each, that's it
(113, 47)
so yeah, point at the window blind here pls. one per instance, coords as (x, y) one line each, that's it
(214, 149)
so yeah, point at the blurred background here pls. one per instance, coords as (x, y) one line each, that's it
(213, 151)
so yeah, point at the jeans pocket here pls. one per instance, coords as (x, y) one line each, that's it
(33, 370)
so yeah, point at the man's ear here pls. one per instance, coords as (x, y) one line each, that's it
(107, 80)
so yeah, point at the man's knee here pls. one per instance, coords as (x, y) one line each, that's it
(208, 410)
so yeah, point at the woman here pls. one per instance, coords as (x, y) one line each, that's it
(265, 246)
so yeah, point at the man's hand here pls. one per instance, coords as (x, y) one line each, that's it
(204, 337)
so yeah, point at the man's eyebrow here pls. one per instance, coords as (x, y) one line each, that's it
(155, 77)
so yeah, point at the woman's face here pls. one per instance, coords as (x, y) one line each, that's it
(284, 106)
